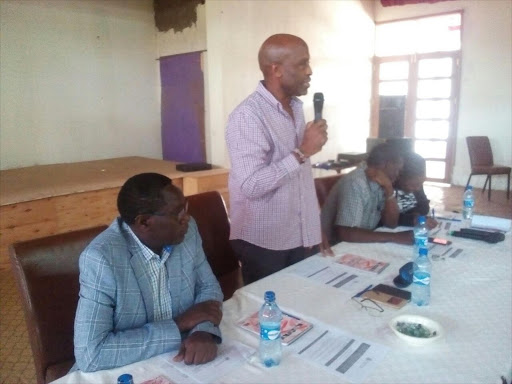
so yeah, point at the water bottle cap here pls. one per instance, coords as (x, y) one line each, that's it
(470, 187)
(422, 219)
(270, 296)
(125, 378)
(423, 251)
(404, 278)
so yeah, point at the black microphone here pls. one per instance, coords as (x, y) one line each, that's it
(318, 102)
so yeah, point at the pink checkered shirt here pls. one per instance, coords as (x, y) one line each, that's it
(272, 197)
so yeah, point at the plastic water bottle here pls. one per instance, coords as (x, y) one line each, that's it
(420, 235)
(421, 278)
(468, 203)
(270, 317)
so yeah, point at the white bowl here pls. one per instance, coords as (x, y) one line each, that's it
(432, 325)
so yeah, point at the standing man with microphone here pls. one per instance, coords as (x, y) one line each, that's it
(275, 219)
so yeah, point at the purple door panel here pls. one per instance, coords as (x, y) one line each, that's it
(183, 137)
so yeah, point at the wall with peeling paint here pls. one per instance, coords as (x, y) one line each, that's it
(190, 39)
(175, 14)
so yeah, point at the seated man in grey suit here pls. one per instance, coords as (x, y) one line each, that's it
(362, 198)
(145, 285)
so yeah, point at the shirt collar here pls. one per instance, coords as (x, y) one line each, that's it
(264, 92)
(146, 251)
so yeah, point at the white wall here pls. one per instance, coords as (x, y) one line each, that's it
(340, 35)
(486, 80)
(79, 81)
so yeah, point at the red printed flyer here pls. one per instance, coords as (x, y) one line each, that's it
(362, 263)
(159, 380)
(291, 327)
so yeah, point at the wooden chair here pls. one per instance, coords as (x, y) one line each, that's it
(323, 185)
(209, 211)
(482, 162)
(47, 273)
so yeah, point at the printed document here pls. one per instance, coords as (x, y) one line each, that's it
(328, 272)
(340, 353)
(231, 354)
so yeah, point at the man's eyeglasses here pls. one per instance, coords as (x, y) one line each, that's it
(370, 306)
(179, 216)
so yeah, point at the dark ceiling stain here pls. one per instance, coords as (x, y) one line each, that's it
(175, 14)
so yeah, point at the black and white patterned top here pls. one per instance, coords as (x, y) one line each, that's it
(406, 201)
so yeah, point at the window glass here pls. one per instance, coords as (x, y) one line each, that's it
(434, 88)
(438, 33)
(396, 70)
(430, 109)
(435, 68)
(427, 34)
(393, 88)
(435, 169)
(430, 149)
(395, 38)
(432, 129)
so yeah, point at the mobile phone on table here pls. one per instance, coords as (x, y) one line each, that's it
(438, 240)
(388, 289)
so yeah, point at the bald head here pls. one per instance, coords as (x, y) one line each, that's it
(276, 49)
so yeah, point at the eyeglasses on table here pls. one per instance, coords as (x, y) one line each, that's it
(368, 305)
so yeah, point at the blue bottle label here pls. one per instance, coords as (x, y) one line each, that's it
(270, 331)
(421, 278)
(469, 203)
(421, 242)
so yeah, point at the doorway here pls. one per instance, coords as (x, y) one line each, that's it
(417, 79)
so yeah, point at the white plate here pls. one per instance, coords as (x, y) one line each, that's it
(432, 325)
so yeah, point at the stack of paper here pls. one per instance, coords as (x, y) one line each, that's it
(490, 222)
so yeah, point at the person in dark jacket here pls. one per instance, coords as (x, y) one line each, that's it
(409, 192)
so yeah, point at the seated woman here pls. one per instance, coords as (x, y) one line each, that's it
(410, 196)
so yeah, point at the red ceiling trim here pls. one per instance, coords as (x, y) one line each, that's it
(390, 3)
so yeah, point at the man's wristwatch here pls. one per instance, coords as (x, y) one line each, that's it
(300, 156)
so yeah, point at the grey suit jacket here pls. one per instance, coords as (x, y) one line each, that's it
(114, 323)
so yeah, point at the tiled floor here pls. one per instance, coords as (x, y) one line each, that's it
(16, 363)
(450, 199)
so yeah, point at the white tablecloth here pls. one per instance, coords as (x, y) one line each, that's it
(471, 297)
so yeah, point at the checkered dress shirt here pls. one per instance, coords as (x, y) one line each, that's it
(157, 273)
(354, 201)
(273, 202)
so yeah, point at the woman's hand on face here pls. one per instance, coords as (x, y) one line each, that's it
(431, 223)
